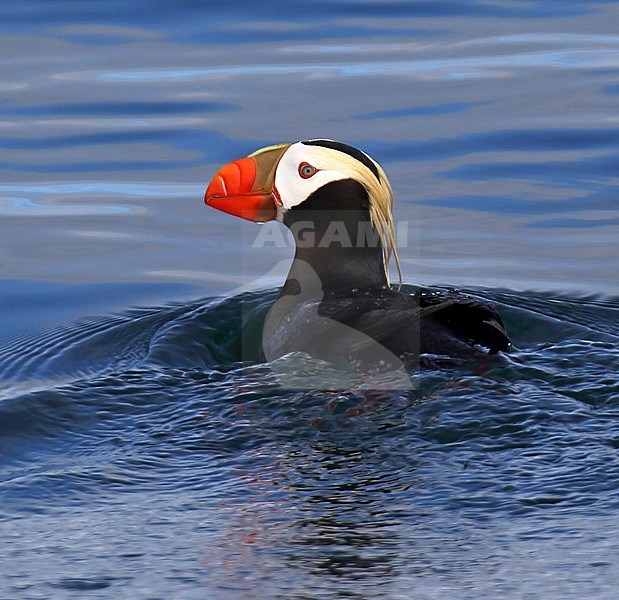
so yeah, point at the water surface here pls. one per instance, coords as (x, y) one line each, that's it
(146, 453)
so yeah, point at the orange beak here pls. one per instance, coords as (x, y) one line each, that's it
(246, 187)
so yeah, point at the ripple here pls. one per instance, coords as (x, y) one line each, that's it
(447, 68)
(105, 187)
(107, 109)
(165, 402)
(19, 207)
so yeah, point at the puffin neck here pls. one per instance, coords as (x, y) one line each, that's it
(337, 247)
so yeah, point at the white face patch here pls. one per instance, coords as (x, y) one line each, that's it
(293, 188)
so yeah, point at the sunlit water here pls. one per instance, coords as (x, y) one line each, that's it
(146, 453)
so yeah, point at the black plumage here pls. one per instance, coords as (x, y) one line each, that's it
(336, 302)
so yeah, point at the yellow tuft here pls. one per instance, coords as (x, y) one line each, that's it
(381, 201)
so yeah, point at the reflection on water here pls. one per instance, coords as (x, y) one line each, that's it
(145, 455)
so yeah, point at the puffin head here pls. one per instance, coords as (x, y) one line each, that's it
(272, 181)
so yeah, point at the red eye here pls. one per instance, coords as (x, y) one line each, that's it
(306, 170)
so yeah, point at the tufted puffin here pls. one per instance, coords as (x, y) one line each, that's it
(337, 302)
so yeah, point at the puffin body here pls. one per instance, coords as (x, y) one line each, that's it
(337, 303)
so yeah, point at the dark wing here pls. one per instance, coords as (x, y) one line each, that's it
(379, 324)
(471, 320)
(443, 322)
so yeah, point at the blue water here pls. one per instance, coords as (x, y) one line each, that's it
(146, 453)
